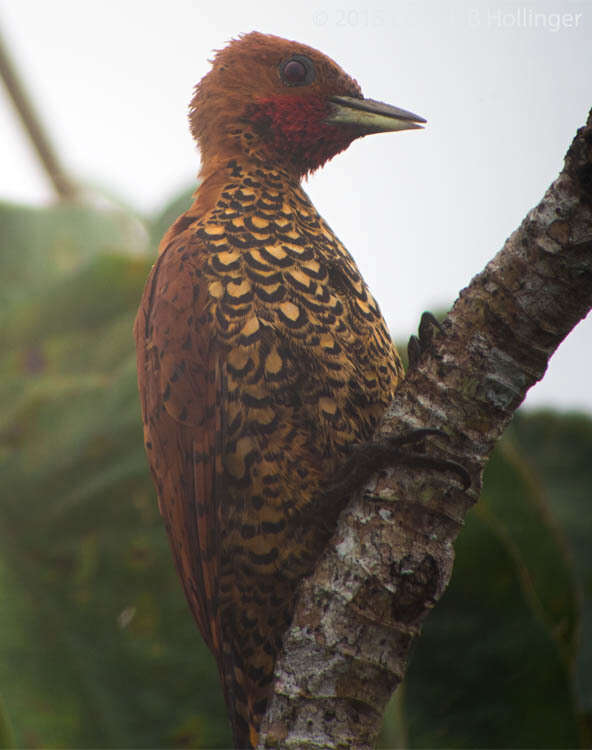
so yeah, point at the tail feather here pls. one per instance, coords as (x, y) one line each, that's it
(246, 700)
(252, 629)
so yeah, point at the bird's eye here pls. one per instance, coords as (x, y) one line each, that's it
(298, 70)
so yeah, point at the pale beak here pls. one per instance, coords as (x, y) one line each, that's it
(370, 116)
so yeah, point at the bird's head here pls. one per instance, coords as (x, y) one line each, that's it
(285, 102)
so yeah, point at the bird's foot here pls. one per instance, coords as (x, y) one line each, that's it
(368, 458)
(419, 344)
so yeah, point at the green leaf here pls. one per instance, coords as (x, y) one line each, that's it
(559, 448)
(40, 245)
(494, 665)
(6, 733)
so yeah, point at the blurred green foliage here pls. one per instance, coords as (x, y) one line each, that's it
(97, 647)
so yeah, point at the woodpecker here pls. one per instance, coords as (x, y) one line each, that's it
(263, 358)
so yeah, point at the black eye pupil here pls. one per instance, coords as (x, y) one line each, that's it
(294, 71)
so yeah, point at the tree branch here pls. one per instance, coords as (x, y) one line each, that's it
(65, 188)
(391, 557)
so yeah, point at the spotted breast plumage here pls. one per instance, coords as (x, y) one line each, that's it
(262, 356)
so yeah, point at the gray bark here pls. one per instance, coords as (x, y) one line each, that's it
(391, 557)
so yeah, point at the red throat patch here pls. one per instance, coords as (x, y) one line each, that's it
(295, 129)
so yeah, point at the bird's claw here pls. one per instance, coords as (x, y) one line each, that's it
(368, 458)
(419, 344)
(394, 455)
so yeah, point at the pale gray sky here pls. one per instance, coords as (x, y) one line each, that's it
(504, 87)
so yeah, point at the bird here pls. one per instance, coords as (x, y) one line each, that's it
(263, 358)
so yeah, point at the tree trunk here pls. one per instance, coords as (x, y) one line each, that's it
(391, 557)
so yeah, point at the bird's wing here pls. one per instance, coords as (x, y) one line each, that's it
(181, 383)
